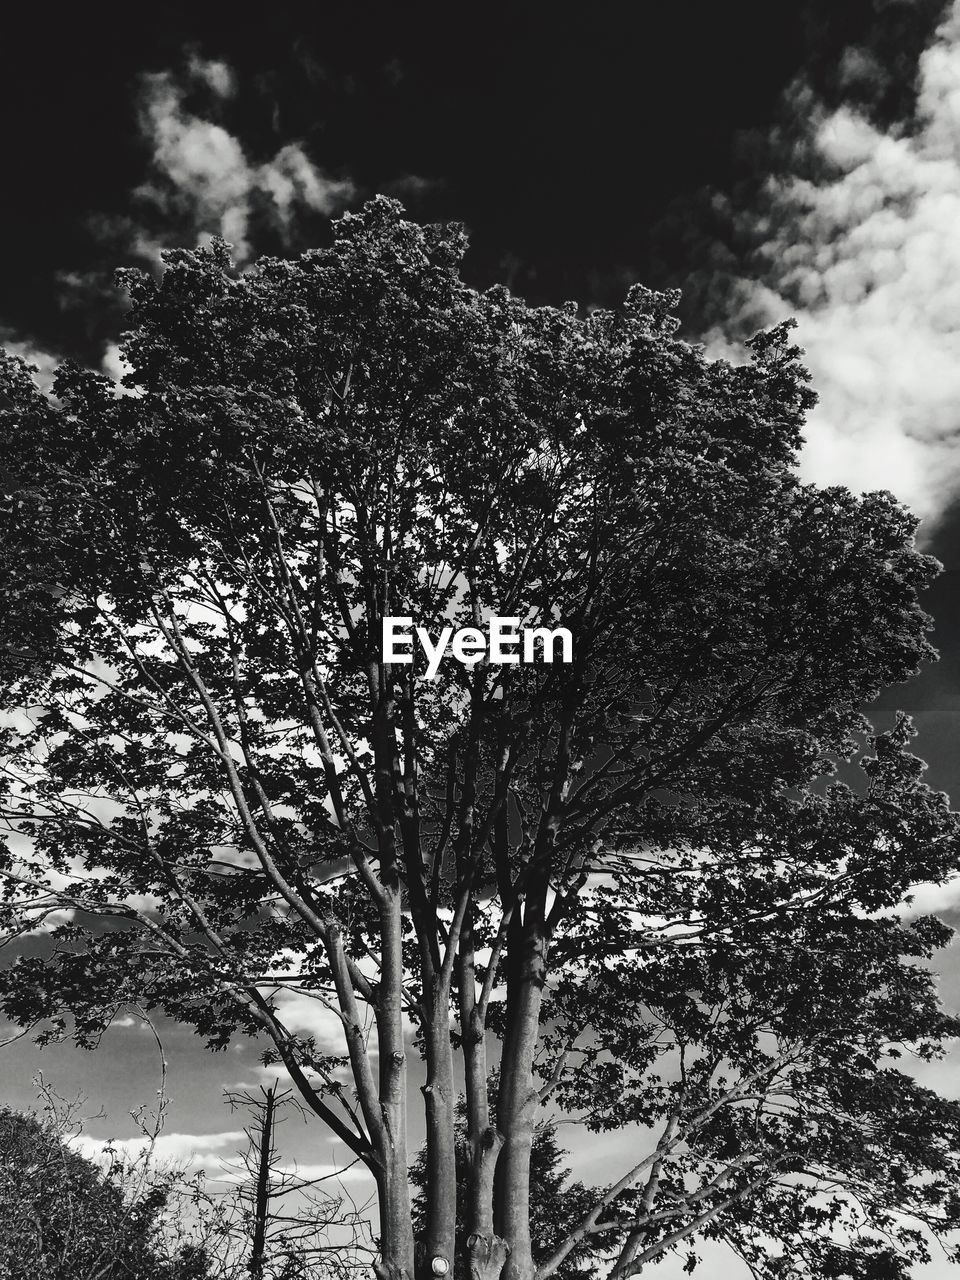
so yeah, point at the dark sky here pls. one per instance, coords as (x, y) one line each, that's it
(576, 141)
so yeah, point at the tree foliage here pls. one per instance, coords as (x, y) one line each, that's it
(63, 1218)
(630, 876)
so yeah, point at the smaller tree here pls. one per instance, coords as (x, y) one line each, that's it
(64, 1218)
(277, 1224)
(131, 1217)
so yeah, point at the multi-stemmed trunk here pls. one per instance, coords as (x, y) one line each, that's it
(496, 1239)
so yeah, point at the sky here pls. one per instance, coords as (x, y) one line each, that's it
(769, 159)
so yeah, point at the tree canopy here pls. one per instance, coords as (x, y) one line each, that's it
(629, 881)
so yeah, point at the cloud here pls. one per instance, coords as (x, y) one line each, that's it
(129, 1020)
(112, 364)
(931, 899)
(45, 362)
(201, 175)
(941, 1074)
(200, 180)
(351, 1172)
(116, 368)
(866, 254)
(216, 74)
(190, 1150)
(301, 1012)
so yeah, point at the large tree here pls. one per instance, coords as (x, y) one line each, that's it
(617, 879)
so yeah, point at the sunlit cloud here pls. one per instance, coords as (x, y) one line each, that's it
(303, 1013)
(928, 899)
(44, 362)
(201, 174)
(866, 255)
(191, 1151)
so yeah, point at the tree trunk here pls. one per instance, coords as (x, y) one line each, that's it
(258, 1248)
(486, 1256)
(528, 943)
(485, 1252)
(518, 1100)
(439, 1095)
(396, 1228)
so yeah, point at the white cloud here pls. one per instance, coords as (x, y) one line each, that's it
(201, 181)
(217, 75)
(202, 173)
(117, 368)
(871, 249)
(940, 1075)
(130, 1021)
(929, 899)
(353, 1172)
(190, 1150)
(301, 1012)
(112, 364)
(46, 364)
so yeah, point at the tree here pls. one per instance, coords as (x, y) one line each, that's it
(63, 1218)
(623, 876)
(128, 1214)
(278, 1224)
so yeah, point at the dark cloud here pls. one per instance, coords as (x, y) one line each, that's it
(559, 134)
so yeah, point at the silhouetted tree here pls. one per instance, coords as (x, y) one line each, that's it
(624, 872)
(284, 1225)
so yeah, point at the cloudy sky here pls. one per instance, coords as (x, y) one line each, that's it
(770, 159)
